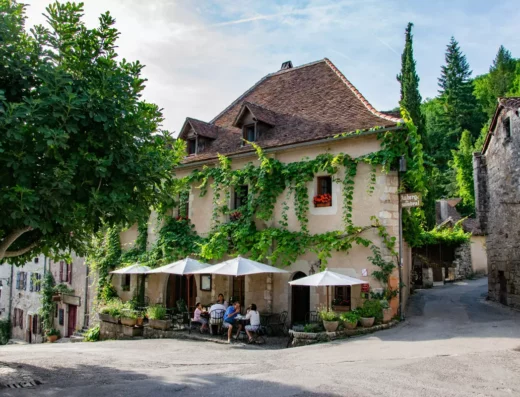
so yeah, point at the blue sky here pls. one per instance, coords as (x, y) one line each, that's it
(201, 55)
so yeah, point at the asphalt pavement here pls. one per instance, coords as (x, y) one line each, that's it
(453, 343)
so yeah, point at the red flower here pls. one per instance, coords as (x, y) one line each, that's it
(325, 198)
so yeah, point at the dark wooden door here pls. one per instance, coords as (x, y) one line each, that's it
(178, 289)
(503, 287)
(300, 302)
(71, 323)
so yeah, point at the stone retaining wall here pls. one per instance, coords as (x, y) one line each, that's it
(309, 338)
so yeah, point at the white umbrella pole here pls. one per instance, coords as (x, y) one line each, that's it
(327, 298)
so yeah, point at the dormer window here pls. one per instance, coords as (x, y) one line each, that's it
(249, 132)
(192, 146)
(507, 128)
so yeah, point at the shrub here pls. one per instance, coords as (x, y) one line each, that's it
(372, 308)
(129, 314)
(351, 317)
(156, 312)
(113, 308)
(314, 328)
(5, 331)
(384, 304)
(92, 335)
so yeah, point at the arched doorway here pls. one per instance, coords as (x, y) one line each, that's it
(177, 288)
(300, 301)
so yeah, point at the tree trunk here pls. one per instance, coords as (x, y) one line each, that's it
(10, 239)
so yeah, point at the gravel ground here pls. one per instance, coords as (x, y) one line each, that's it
(454, 343)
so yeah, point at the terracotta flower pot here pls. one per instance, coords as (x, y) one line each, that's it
(387, 315)
(367, 321)
(139, 321)
(52, 338)
(330, 326)
(350, 325)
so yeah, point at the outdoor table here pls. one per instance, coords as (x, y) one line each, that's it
(242, 321)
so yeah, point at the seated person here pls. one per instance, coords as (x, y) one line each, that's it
(198, 318)
(214, 310)
(229, 319)
(221, 300)
(254, 322)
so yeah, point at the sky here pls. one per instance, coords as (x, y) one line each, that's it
(201, 55)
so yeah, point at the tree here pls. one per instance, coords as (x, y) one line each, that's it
(410, 96)
(463, 166)
(497, 83)
(78, 147)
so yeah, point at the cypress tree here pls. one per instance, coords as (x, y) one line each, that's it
(410, 96)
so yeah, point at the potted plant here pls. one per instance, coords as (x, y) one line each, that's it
(350, 319)
(387, 311)
(129, 318)
(111, 312)
(369, 312)
(53, 335)
(322, 200)
(330, 320)
(157, 316)
(140, 319)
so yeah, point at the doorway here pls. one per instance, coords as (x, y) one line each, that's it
(178, 289)
(300, 300)
(71, 323)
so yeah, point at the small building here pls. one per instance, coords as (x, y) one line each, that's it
(497, 197)
(294, 114)
(20, 295)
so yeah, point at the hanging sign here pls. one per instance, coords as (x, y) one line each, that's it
(409, 200)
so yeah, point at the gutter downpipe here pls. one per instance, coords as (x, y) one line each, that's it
(402, 168)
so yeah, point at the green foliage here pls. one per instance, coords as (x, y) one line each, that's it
(409, 80)
(47, 305)
(313, 328)
(372, 308)
(157, 312)
(351, 317)
(444, 235)
(5, 331)
(54, 332)
(78, 145)
(463, 165)
(92, 334)
(114, 308)
(327, 315)
(385, 267)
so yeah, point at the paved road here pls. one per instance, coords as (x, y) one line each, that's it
(453, 343)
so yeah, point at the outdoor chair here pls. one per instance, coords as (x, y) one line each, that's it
(278, 322)
(311, 318)
(193, 325)
(216, 319)
(258, 336)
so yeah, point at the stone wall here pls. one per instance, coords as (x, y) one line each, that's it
(498, 204)
(462, 263)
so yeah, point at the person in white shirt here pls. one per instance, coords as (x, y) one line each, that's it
(213, 318)
(254, 321)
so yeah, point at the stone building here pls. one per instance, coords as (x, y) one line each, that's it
(497, 196)
(293, 114)
(20, 297)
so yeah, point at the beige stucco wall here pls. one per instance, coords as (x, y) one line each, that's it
(479, 255)
(274, 292)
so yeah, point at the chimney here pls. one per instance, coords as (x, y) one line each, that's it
(286, 65)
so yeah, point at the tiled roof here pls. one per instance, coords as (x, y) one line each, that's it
(305, 103)
(512, 103)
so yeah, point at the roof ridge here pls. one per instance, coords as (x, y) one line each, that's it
(200, 121)
(358, 94)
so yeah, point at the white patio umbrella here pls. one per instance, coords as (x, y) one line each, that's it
(136, 268)
(183, 267)
(238, 267)
(327, 279)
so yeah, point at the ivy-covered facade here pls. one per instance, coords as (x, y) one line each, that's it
(299, 172)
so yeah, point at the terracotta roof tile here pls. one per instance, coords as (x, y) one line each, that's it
(305, 103)
(259, 113)
(512, 103)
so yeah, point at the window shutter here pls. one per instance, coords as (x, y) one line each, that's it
(17, 280)
(61, 271)
(25, 281)
(69, 276)
(31, 282)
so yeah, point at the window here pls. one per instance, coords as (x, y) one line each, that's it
(21, 280)
(249, 132)
(192, 146)
(341, 296)
(61, 316)
(31, 282)
(65, 272)
(323, 196)
(35, 324)
(38, 282)
(125, 282)
(240, 196)
(56, 310)
(36, 260)
(507, 127)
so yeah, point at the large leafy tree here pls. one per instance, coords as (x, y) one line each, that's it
(497, 83)
(462, 163)
(78, 146)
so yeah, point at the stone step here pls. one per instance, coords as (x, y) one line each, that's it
(75, 338)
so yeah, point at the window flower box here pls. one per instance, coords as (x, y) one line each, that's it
(322, 200)
(235, 216)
